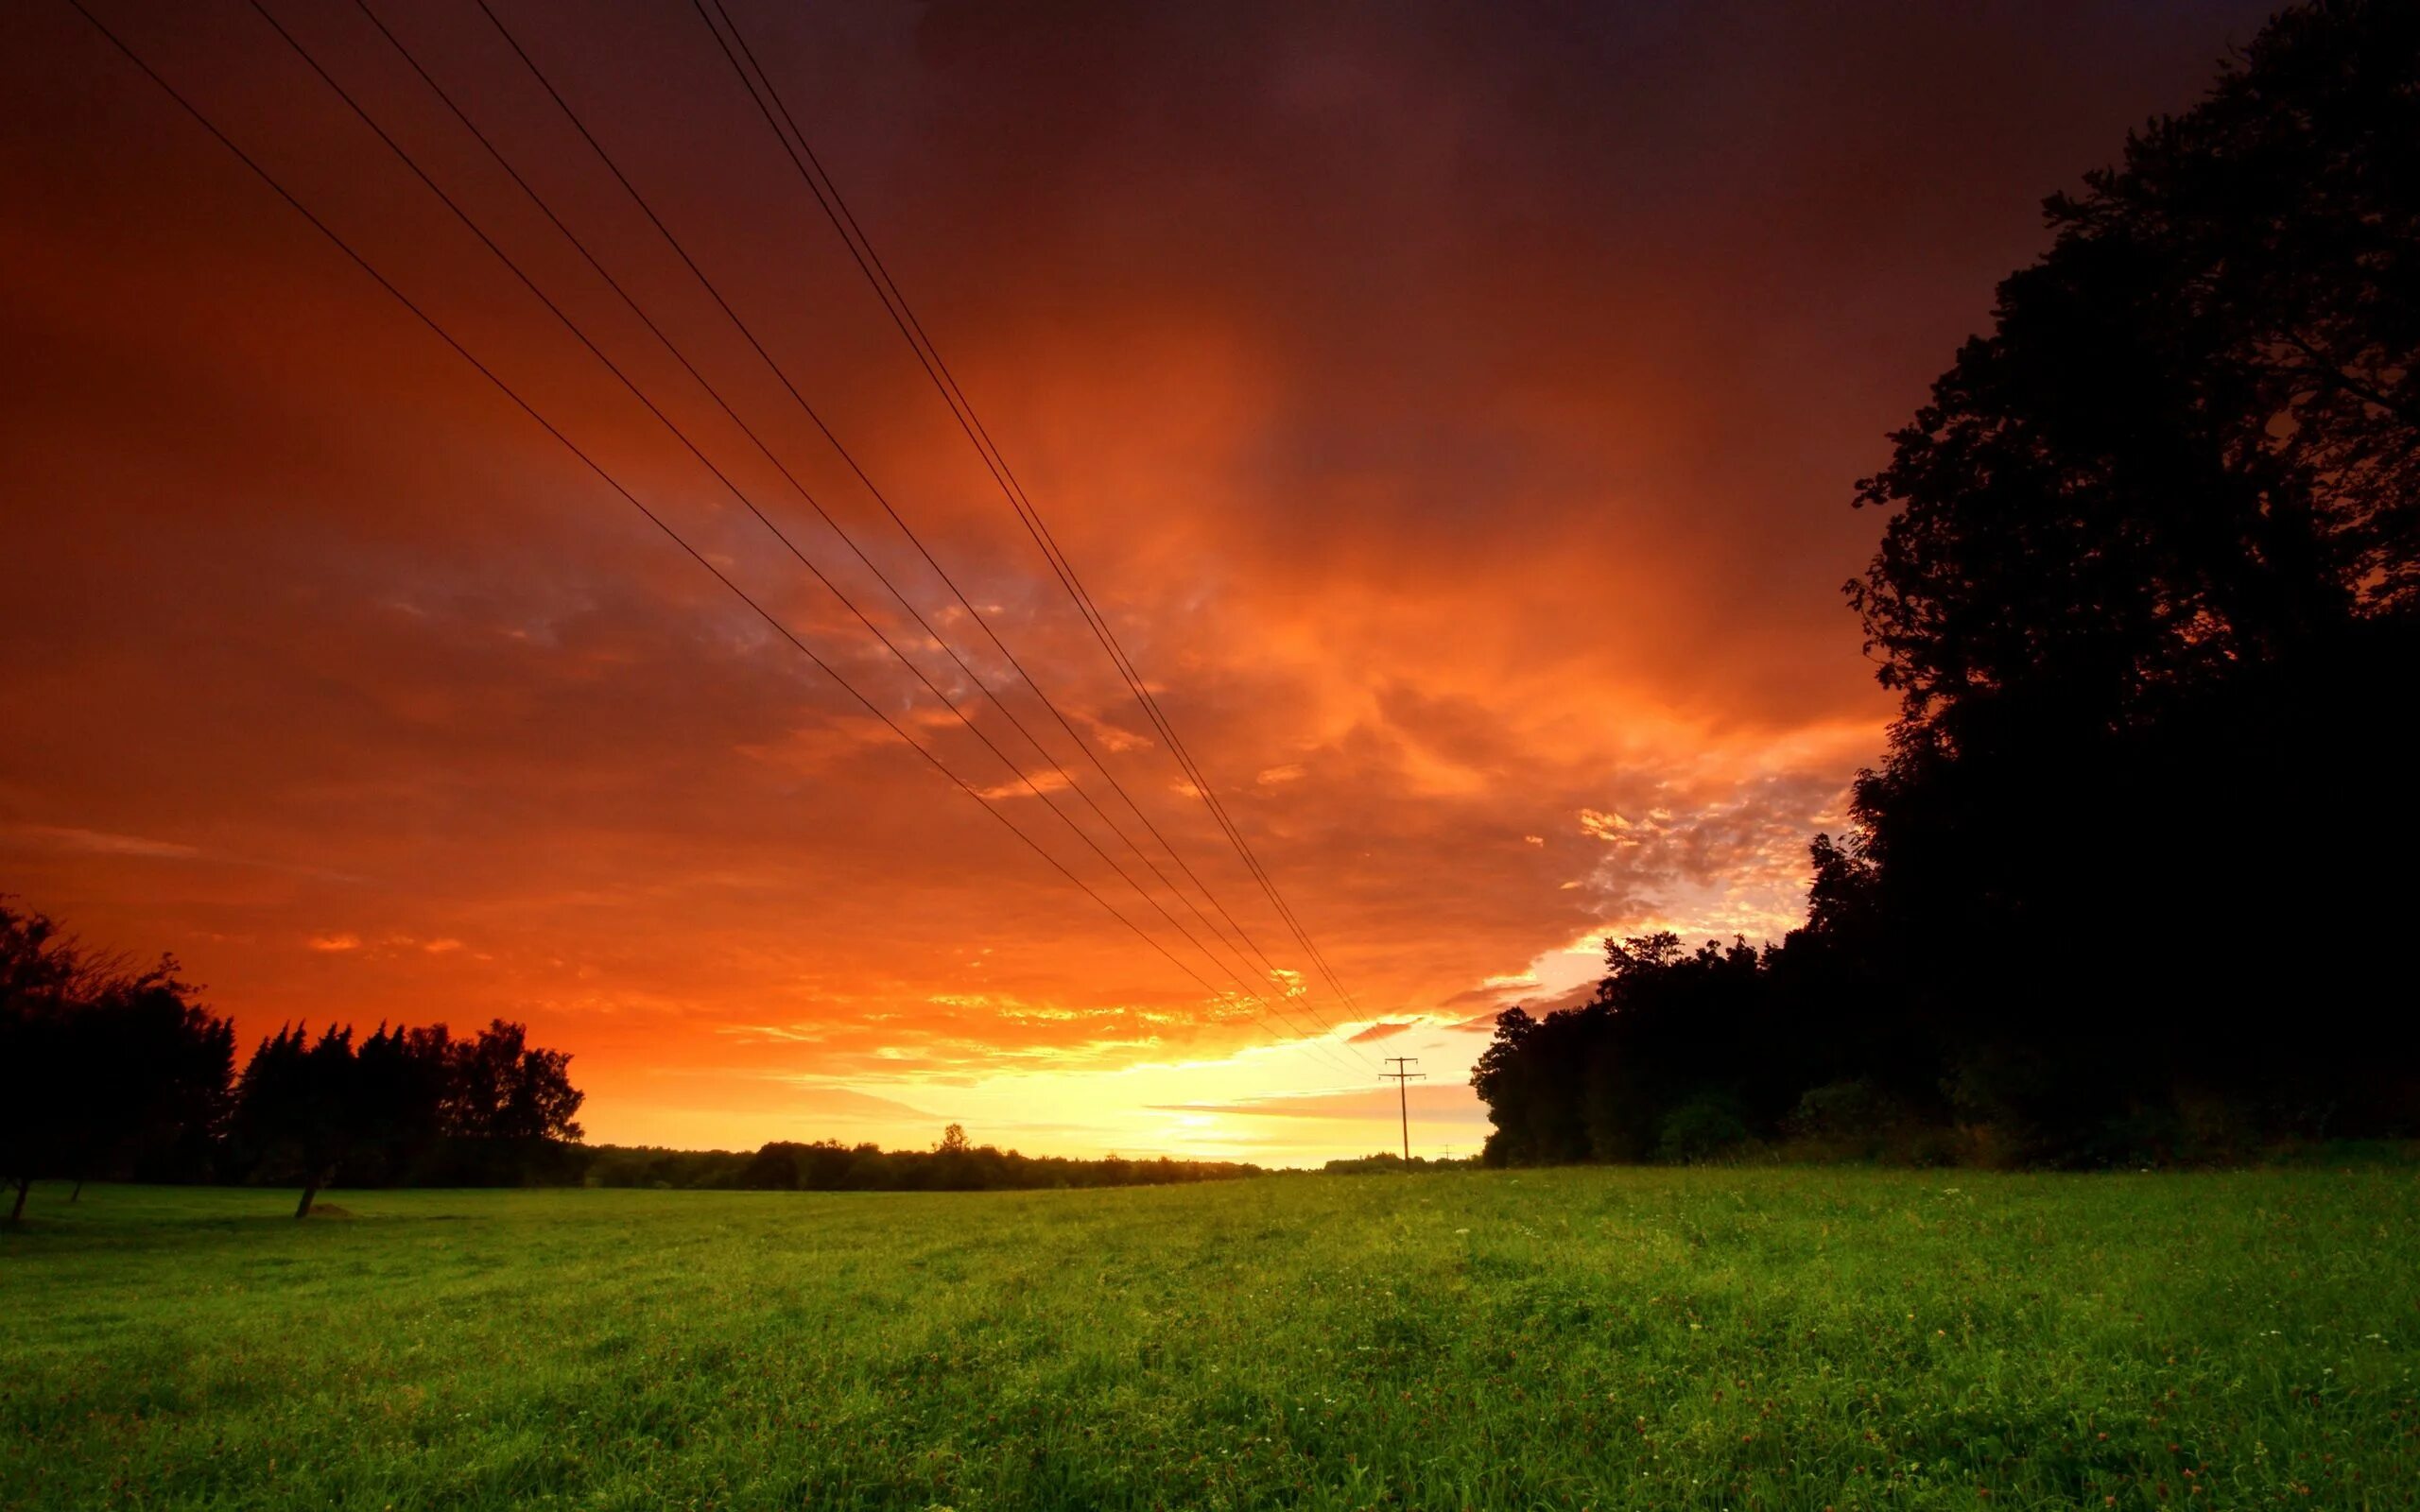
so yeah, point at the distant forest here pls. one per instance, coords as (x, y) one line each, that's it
(2136, 882)
(954, 1165)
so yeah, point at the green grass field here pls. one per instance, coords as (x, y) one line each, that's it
(1767, 1339)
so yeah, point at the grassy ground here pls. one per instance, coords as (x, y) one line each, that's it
(1770, 1339)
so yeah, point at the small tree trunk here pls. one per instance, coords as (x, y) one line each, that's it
(303, 1208)
(18, 1211)
(79, 1193)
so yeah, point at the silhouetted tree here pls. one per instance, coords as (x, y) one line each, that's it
(955, 1163)
(507, 1090)
(157, 1075)
(1679, 1055)
(403, 1091)
(299, 1110)
(1502, 1078)
(405, 1105)
(2150, 593)
(774, 1168)
(510, 1105)
(2151, 570)
(37, 966)
(107, 1069)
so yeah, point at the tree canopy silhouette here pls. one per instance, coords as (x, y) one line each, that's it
(2148, 590)
(955, 1163)
(108, 1071)
(298, 1108)
(409, 1105)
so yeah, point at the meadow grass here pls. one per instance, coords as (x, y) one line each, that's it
(1578, 1338)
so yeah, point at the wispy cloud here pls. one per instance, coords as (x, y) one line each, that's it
(102, 843)
(72, 840)
(1428, 1101)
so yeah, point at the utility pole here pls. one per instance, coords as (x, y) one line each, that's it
(1402, 1095)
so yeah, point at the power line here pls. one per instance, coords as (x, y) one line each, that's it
(733, 488)
(605, 157)
(928, 356)
(742, 595)
(973, 614)
(869, 262)
(630, 301)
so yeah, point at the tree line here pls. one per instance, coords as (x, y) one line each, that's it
(2133, 881)
(114, 1073)
(954, 1165)
(118, 1071)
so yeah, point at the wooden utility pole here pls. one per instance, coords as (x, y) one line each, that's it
(1402, 1095)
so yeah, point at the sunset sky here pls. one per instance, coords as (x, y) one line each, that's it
(1455, 409)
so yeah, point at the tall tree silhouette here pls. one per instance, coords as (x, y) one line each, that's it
(506, 1088)
(153, 1077)
(2150, 593)
(403, 1105)
(299, 1110)
(39, 968)
(404, 1086)
(110, 1071)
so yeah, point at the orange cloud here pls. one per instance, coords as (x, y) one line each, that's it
(1454, 419)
